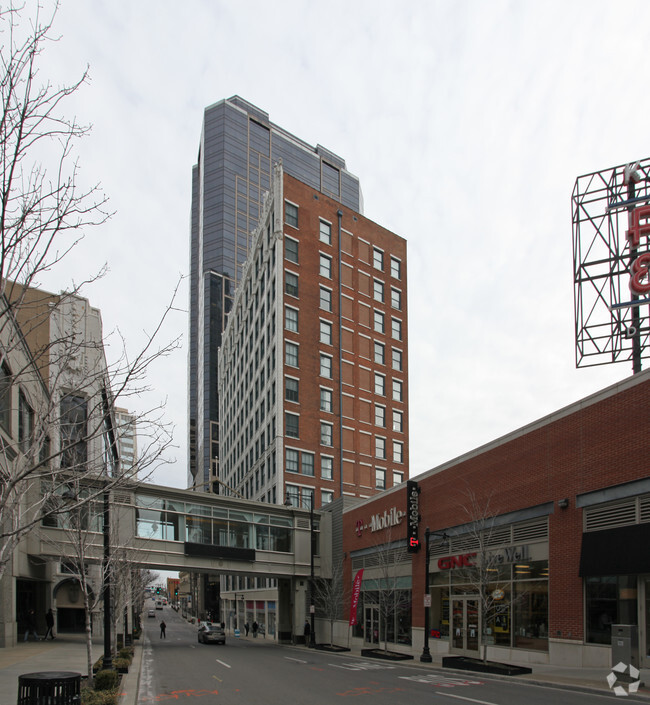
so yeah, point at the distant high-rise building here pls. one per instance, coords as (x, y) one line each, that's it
(313, 368)
(127, 444)
(238, 149)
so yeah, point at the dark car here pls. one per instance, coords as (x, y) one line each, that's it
(211, 634)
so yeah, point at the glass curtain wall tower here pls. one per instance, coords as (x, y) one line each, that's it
(237, 151)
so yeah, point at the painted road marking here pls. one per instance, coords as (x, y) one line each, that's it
(469, 700)
(223, 664)
(362, 666)
(297, 660)
(440, 681)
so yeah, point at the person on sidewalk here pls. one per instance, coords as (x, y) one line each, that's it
(49, 620)
(307, 631)
(31, 626)
(247, 628)
(255, 628)
(163, 626)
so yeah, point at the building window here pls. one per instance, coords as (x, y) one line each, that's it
(292, 425)
(397, 390)
(291, 462)
(395, 268)
(26, 424)
(378, 259)
(380, 447)
(326, 496)
(380, 479)
(293, 495)
(291, 284)
(380, 415)
(307, 464)
(397, 359)
(325, 299)
(398, 477)
(326, 400)
(378, 291)
(325, 333)
(291, 319)
(326, 467)
(397, 421)
(380, 353)
(396, 299)
(291, 214)
(74, 421)
(379, 322)
(5, 398)
(326, 434)
(326, 366)
(291, 249)
(291, 354)
(397, 329)
(291, 389)
(325, 233)
(325, 267)
(398, 452)
(380, 384)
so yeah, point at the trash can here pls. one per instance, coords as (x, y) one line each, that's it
(625, 644)
(49, 688)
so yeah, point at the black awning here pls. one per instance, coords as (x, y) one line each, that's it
(622, 551)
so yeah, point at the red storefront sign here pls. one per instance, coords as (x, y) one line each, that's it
(356, 592)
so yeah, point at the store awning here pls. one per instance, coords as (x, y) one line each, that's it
(622, 551)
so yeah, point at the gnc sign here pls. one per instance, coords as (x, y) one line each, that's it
(464, 560)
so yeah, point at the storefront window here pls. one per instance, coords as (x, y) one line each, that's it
(531, 615)
(609, 599)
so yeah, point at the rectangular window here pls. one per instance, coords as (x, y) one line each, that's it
(397, 390)
(291, 214)
(291, 389)
(291, 249)
(292, 425)
(378, 291)
(325, 332)
(380, 384)
(395, 268)
(380, 479)
(397, 359)
(396, 299)
(398, 477)
(291, 354)
(397, 421)
(326, 366)
(293, 495)
(291, 319)
(326, 467)
(378, 259)
(398, 452)
(380, 353)
(326, 434)
(291, 284)
(325, 299)
(307, 464)
(380, 415)
(326, 400)
(325, 233)
(74, 421)
(380, 447)
(379, 322)
(291, 460)
(325, 267)
(326, 496)
(5, 398)
(397, 329)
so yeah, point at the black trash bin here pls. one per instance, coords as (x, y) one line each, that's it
(49, 688)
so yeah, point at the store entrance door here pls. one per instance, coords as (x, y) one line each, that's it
(644, 622)
(464, 626)
(371, 624)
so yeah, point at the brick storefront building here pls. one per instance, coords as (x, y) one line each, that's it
(559, 511)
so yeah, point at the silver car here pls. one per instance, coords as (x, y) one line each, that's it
(211, 634)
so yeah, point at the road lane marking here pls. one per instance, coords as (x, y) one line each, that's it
(217, 679)
(470, 700)
(223, 664)
(297, 660)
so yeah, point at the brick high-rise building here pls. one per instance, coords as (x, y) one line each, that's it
(237, 151)
(313, 370)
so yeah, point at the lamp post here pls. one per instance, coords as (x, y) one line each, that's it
(426, 654)
(312, 609)
(108, 659)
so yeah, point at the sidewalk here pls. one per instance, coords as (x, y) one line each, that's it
(66, 653)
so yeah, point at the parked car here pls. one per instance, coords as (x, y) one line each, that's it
(151, 613)
(211, 634)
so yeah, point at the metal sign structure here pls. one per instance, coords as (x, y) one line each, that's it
(611, 261)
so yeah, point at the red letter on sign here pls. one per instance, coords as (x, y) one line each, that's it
(636, 228)
(639, 279)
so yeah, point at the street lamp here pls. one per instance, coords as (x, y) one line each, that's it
(312, 610)
(426, 654)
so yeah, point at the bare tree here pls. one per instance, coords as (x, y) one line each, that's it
(329, 597)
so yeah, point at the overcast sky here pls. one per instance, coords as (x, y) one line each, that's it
(467, 124)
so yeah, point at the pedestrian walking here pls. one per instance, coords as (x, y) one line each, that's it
(247, 627)
(31, 626)
(256, 626)
(49, 620)
(163, 626)
(307, 631)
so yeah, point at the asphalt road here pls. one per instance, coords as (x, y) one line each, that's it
(254, 672)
